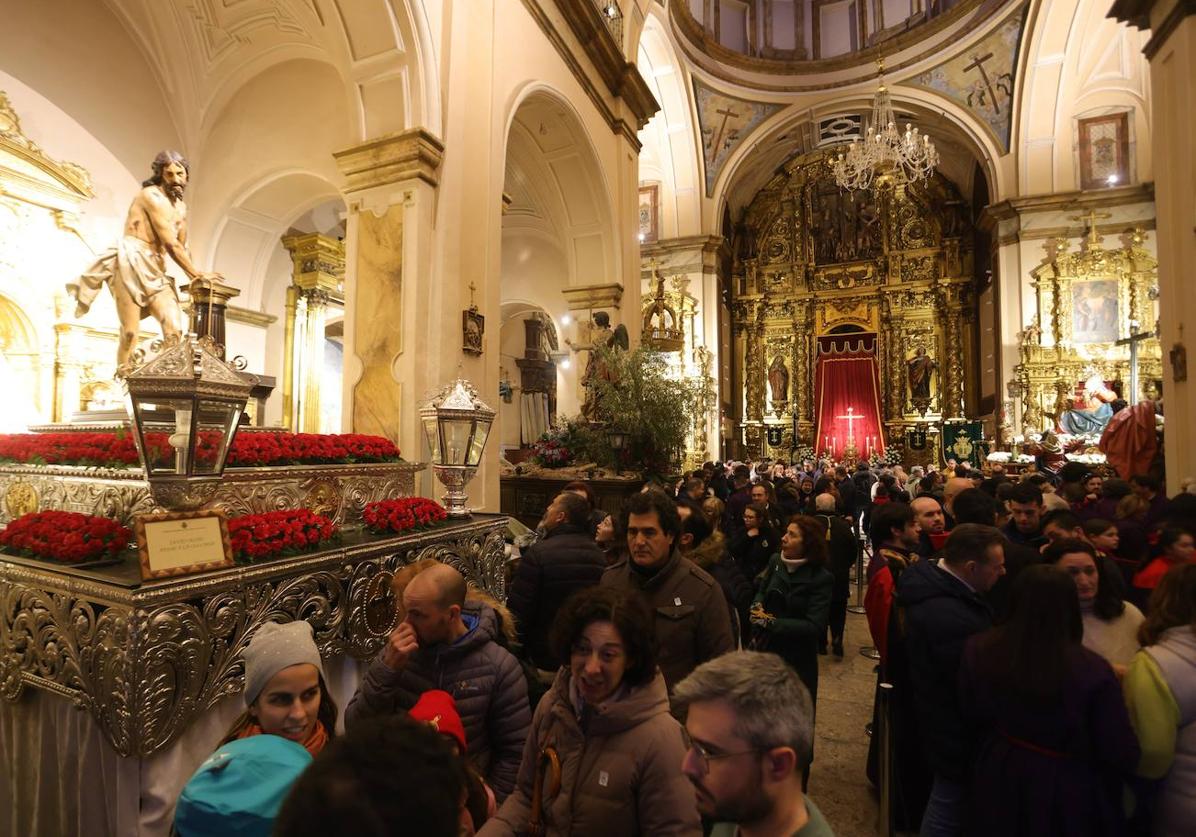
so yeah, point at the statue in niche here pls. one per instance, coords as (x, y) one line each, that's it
(601, 337)
(919, 368)
(867, 229)
(135, 269)
(778, 380)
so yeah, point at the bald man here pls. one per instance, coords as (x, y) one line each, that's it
(952, 489)
(448, 640)
(929, 514)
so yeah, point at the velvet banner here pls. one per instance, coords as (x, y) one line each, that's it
(847, 395)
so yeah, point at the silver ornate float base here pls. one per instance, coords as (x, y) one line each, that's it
(147, 658)
(337, 491)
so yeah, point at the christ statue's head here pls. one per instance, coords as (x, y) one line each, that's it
(171, 171)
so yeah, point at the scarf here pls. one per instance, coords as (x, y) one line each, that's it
(791, 564)
(314, 743)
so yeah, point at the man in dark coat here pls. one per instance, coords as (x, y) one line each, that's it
(450, 643)
(741, 495)
(708, 550)
(566, 560)
(862, 481)
(941, 605)
(1025, 508)
(693, 623)
(846, 490)
(842, 550)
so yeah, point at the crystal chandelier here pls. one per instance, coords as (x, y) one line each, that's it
(886, 151)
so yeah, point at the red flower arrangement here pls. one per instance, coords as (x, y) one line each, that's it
(249, 449)
(403, 514)
(69, 537)
(268, 535)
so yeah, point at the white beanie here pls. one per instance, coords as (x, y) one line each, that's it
(274, 647)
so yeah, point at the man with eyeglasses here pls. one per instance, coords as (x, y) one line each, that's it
(749, 732)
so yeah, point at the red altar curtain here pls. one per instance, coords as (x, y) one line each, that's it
(846, 376)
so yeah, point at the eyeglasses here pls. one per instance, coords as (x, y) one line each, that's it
(705, 756)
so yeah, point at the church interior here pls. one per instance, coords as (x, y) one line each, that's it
(887, 231)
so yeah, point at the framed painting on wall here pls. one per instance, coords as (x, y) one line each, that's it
(1104, 143)
(649, 214)
(1094, 311)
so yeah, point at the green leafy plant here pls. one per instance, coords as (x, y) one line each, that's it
(639, 395)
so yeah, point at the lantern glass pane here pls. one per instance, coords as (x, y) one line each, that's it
(433, 433)
(166, 425)
(478, 444)
(457, 433)
(216, 428)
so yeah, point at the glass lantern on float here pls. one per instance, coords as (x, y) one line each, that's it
(457, 423)
(186, 404)
(617, 438)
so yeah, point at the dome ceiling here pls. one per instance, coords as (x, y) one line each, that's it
(783, 44)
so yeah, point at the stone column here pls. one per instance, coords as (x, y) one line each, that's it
(318, 278)
(313, 359)
(288, 358)
(1172, 55)
(389, 318)
(695, 258)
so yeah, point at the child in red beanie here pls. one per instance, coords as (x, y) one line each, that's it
(437, 708)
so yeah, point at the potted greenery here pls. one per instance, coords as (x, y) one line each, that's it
(654, 411)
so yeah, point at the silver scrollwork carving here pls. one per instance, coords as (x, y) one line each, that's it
(146, 661)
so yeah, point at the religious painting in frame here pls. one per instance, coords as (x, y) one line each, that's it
(649, 213)
(182, 543)
(1094, 311)
(1104, 145)
(473, 326)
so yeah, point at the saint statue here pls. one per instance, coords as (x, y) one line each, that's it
(135, 269)
(1090, 412)
(920, 367)
(602, 337)
(778, 380)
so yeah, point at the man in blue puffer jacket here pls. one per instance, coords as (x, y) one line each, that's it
(448, 642)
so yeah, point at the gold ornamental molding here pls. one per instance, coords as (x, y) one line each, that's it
(249, 317)
(1065, 201)
(591, 297)
(31, 175)
(621, 77)
(390, 159)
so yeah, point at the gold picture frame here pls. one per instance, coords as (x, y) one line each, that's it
(182, 543)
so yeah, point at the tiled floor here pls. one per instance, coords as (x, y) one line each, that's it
(837, 781)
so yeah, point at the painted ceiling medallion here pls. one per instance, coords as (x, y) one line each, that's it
(725, 122)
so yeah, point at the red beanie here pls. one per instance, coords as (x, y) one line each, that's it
(438, 708)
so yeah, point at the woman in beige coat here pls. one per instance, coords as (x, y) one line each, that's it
(603, 753)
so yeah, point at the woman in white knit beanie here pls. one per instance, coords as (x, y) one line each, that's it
(285, 693)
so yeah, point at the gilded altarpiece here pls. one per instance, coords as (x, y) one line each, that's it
(1086, 301)
(813, 260)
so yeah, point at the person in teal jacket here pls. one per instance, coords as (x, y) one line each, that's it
(791, 609)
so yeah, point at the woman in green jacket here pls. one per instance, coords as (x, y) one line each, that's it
(791, 610)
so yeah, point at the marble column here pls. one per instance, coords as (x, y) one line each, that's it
(390, 188)
(696, 259)
(1171, 52)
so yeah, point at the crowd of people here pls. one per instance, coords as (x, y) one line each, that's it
(655, 671)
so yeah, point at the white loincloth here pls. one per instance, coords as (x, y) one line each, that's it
(134, 266)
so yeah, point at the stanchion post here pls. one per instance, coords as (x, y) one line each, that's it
(885, 696)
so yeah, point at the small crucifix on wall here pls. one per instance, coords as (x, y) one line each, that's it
(473, 326)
